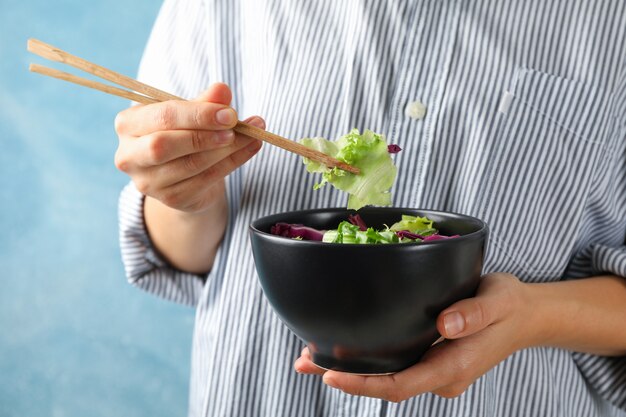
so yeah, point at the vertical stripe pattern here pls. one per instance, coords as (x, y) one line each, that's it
(546, 168)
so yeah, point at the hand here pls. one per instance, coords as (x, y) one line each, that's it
(178, 152)
(479, 333)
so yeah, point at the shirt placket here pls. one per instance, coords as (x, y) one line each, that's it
(417, 98)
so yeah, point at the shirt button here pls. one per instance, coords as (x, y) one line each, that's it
(415, 110)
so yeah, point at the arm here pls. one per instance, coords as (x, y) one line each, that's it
(505, 316)
(586, 315)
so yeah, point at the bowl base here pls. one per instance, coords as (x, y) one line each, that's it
(356, 373)
(359, 367)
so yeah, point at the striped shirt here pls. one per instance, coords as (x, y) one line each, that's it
(524, 127)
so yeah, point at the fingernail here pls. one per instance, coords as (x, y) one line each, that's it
(226, 117)
(224, 137)
(454, 323)
(258, 122)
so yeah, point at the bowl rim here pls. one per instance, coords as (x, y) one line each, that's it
(484, 229)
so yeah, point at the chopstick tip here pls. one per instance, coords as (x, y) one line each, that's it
(349, 168)
(30, 44)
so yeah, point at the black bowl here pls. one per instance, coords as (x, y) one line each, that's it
(367, 309)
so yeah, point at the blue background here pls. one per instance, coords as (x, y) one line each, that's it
(76, 339)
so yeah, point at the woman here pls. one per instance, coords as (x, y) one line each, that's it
(508, 111)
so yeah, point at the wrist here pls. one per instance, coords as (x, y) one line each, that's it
(187, 240)
(546, 314)
(532, 317)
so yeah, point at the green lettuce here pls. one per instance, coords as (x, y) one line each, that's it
(414, 224)
(350, 233)
(410, 229)
(368, 152)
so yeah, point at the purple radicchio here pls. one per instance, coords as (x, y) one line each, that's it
(357, 221)
(296, 231)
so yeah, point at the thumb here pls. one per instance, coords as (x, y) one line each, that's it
(216, 93)
(465, 317)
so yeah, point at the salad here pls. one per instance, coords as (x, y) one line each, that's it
(370, 153)
(410, 229)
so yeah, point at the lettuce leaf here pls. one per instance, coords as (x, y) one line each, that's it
(370, 153)
(410, 229)
(422, 226)
(349, 233)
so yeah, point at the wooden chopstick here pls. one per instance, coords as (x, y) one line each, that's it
(149, 95)
(55, 54)
(105, 88)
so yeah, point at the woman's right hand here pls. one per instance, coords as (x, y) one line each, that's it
(178, 152)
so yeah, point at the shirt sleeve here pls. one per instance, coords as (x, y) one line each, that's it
(144, 267)
(607, 259)
(173, 61)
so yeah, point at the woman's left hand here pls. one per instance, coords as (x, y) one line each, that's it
(479, 333)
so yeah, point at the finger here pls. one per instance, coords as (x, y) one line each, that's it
(256, 121)
(237, 159)
(160, 147)
(174, 115)
(152, 180)
(164, 146)
(445, 364)
(386, 387)
(493, 302)
(190, 193)
(465, 317)
(306, 353)
(304, 364)
(216, 93)
(180, 169)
